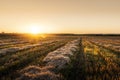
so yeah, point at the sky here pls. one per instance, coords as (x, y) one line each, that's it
(60, 16)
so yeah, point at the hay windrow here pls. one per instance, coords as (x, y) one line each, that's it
(54, 62)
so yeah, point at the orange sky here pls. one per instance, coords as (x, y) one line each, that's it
(60, 16)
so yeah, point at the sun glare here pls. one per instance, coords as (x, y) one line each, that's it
(34, 30)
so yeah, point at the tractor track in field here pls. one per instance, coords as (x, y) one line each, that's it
(93, 62)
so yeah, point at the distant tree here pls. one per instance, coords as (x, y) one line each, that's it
(3, 32)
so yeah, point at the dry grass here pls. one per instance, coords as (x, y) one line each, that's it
(37, 73)
(61, 57)
(54, 62)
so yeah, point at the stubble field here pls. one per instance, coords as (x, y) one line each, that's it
(59, 57)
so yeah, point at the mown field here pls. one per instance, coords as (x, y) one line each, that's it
(59, 57)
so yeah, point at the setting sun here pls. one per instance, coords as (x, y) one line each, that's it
(34, 30)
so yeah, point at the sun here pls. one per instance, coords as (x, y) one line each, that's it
(34, 30)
